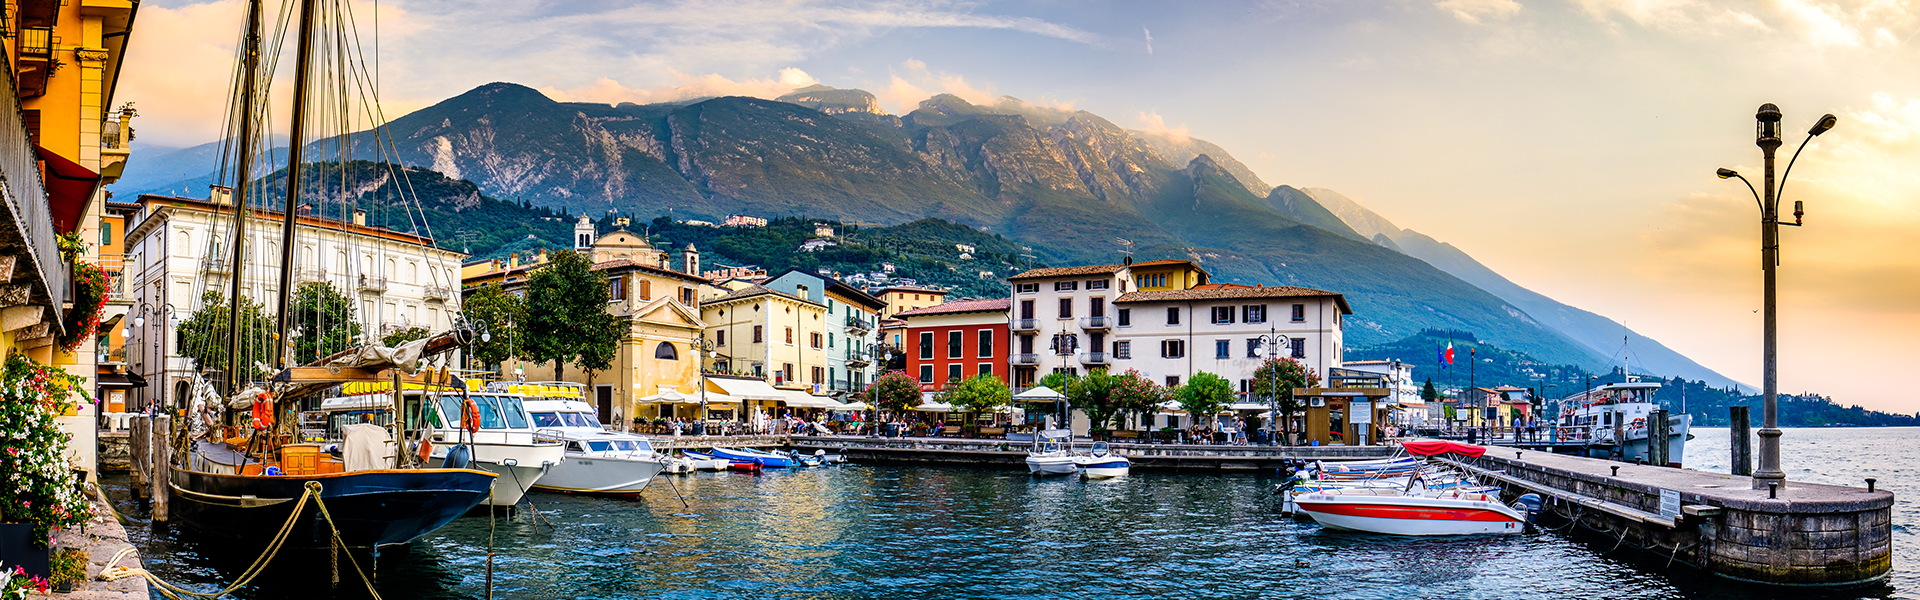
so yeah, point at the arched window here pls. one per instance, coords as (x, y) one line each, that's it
(665, 351)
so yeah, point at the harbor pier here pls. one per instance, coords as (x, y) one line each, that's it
(1803, 534)
(1002, 453)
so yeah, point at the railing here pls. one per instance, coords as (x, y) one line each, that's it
(1096, 323)
(1026, 325)
(215, 265)
(26, 197)
(857, 358)
(115, 267)
(1093, 358)
(438, 293)
(306, 274)
(859, 324)
(372, 284)
(1024, 360)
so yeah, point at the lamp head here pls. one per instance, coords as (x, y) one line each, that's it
(1825, 123)
(486, 336)
(1726, 173)
(1767, 130)
(140, 321)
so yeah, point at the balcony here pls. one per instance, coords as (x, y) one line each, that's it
(858, 326)
(1019, 325)
(1094, 358)
(115, 266)
(1024, 360)
(216, 266)
(1096, 323)
(307, 274)
(438, 293)
(857, 359)
(371, 284)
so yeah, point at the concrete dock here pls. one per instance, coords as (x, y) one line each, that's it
(1804, 535)
(999, 453)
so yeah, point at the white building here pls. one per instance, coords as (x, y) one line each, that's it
(1169, 335)
(177, 250)
(1405, 393)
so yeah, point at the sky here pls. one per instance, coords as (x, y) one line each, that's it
(1569, 145)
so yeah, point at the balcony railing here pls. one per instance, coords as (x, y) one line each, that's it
(216, 265)
(857, 358)
(1024, 360)
(306, 274)
(372, 284)
(1026, 325)
(438, 293)
(115, 266)
(858, 324)
(28, 220)
(1096, 323)
(1094, 358)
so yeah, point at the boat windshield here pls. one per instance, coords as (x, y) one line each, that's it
(515, 412)
(544, 420)
(600, 446)
(489, 412)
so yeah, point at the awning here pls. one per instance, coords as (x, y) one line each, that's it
(671, 397)
(852, 406)
(121, 380)
(1435, 447)
(800, 399)
(1039, 394)
(744, 389)
(1248, 407)
(69, 189)
(934, 407)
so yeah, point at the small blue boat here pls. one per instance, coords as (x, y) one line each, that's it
(764, 459)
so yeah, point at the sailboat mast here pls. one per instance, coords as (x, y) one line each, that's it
(295, 143)
(249, 68)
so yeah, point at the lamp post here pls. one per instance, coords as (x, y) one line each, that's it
(702, 349)
(1767, 137)
(883, 352)
(159, 339)
(1271, 341)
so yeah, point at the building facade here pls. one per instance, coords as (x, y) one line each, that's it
(1169, 335)
(760, 332)
(852, 326)
(902, 298)
(956, 340)
(1063, 318)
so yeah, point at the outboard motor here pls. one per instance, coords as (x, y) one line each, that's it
(1531, 505)
(458, 457)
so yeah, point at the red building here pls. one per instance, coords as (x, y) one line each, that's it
(956, 340)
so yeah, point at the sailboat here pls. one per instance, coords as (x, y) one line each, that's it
(242, 480)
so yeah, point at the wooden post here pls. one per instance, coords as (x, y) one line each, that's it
(137, 441)
(162, 444)
(1657, 439)
(1742, 442)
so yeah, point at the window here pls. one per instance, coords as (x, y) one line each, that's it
(819, 374)
(1245, 386)
(646, 290)
(953, 371)
(1126, 317)
(1173, 315)
(1253, 347)
(665, 351)
(1172, 381)
(953, 344)
(1173, 348)
(1097, 284)
(986, 369)
(789, 335)
(1299, 313)
(720, 337)
(1029, 288)
(106, 233)
(926, 346)
(1096, 307)
(829, 340)
(986, 344)
(1026, 309)
(1255, 313)
(615, 291)
(1026, 344)
(1222, 315)
(1123, 350)
(686, 297)
(1222, 349)
(1065, 286)
(1066, 308)
(787, 371)
(814, 338)
(1299, 347)
(926, 373)
(757, 337)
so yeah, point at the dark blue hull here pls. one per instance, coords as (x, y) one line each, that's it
(371, 508)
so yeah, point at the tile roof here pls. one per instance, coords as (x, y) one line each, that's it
(1232, 292)
(630, 263)
(1066, 272)
(1163, 261)
(752, 291)
(959, 306)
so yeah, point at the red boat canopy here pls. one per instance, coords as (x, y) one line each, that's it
(1433, 447)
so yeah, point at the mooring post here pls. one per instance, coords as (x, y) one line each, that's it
(162, 465)
(137, 441)
(1742, 440)
(1657, 439)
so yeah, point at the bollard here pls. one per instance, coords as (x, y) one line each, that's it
(1870, 482)
(1516, 456)
(162, 445)
(1616, 470)
(1773, 491)
(1742, 443)
(138, 440)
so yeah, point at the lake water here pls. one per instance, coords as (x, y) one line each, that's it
(916, 532)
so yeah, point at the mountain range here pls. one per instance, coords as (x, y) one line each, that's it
(1073, 187)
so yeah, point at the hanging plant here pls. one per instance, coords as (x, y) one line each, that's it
(36, 481)
(90, 281)
(71, 246)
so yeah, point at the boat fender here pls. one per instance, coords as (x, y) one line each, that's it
(1531, 505)
(457, 457)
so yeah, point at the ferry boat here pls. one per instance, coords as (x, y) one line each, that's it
(597, 461)
(1610, 421)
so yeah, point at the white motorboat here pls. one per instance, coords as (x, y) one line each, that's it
(706, 462)
(1441, 513)
(1049, 455)
(679, 465)
(1101, 463)
(503, 443)
(598, 461)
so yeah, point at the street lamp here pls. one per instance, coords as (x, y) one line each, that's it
(1767, 137)
(1271, 342)
(702, 349)
(159, 339)
(883, 352)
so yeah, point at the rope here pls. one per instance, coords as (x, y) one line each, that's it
(114, 571)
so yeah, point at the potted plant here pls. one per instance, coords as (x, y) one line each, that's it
(69, 569)
(15, 583)
(40, 495)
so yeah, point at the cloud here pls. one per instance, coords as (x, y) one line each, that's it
(905, 91)
(1153, 123)
(608, 91)
(1149, 39)
(1472, 11)
(1833, 24)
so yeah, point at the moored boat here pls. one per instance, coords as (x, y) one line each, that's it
(707, 462)
(1101, 463)
(597, 461)
(764, 459)
(1415, 509)
(1049, 455)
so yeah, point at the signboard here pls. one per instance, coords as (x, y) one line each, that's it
(1361, 413)
(1670, 503)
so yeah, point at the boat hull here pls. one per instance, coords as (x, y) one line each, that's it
(762, 458)
(530, 463)
(606, 476)
(371, 508)
(1103, 468)
(1404, 515)
(1051, 466)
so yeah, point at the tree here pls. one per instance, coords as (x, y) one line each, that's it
(1093, 394)
(402, 336)
(204, 335)
(1204, 394)
(979, 394)
(1134, 393)
(1277, 377)
(1430, 393)
(567, 318)
(895, 391)
(500, 314)
(323, 322)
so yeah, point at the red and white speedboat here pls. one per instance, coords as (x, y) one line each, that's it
(1414, 511)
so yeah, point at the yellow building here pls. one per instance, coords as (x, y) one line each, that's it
(761, 333)
(902, 298)
(1167, 275)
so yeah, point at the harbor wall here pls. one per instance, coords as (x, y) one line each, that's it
(1807, 535)
(994, 453)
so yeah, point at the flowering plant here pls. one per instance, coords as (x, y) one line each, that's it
(71, 246)
(18, 584)
(84, 319)
(36, 480)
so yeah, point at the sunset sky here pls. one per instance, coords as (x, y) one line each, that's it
(1569, 145)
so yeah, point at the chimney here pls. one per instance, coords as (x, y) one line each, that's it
(360, 217)
(220, 195)
(513, 260)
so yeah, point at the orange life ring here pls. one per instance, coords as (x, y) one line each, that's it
(471, 420)
(1639, 423)
(263, 411)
